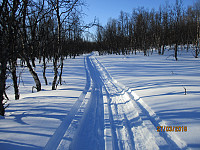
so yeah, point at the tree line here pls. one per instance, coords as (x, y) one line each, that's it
(145, 30)
(38, 29)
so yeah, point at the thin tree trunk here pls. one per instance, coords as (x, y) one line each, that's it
(2, 86)
(187, 46)
(61, 71)
(196, 52)
(145, 52)
(159, 50)
(163, 49)
(35, 76)
(2, 109)
(24, 41)
(58, 47)
(33, 62)
(14, 78)
(44, 70)
(33, 73)
(197, 42)
(55, 61)
(176, 51)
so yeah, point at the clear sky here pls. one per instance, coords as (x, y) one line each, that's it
(105, 9)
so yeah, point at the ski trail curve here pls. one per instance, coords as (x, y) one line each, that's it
(127, 123)
(58, 135)
(108, 116)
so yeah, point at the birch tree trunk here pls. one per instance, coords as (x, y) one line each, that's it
(44, 70)
(24, 43)
(14, 78)
(56, 55)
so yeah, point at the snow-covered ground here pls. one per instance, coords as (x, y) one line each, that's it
(159, 81)
(30, 122)
(109, 102)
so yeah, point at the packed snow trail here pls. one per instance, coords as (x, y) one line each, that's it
(126, 123)
(66, 124)
(109, 116)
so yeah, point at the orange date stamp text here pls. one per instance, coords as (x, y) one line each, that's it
(171, 128)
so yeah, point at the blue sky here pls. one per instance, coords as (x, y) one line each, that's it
(105, 9)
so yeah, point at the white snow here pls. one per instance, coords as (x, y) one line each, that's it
(158, 82)
(31, 121)
(108, 102)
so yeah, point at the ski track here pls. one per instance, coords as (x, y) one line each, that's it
(63, 135)
(109, 116)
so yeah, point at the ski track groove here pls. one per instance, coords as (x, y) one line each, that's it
(108, 115)
(136, 132)
(56, 139)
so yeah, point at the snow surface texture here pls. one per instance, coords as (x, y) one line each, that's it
(94, 110)
(158, 82)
